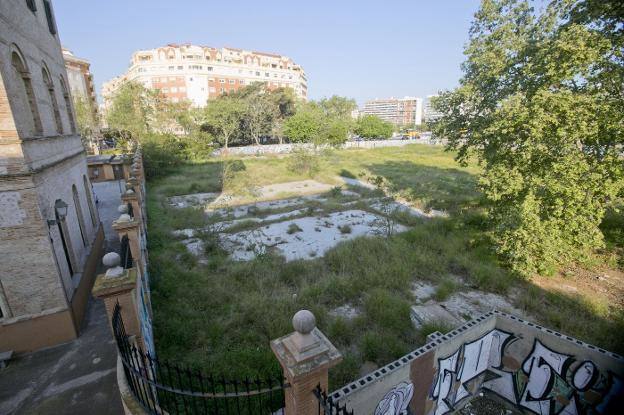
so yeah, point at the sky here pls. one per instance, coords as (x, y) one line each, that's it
(359, 49)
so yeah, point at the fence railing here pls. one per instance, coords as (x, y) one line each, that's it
(327, 406)
(163, 387)
(125, 253)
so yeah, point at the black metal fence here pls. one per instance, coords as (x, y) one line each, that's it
(327, 406)
(125, 254)
(163, 387)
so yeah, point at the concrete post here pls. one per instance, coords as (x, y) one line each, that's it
(305, 356)
(133, 199)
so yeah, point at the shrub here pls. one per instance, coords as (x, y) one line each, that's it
(344, 229)
(293, 228)
(304, 162)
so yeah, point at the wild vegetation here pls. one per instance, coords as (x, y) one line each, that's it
(221, 315)
(540, 107)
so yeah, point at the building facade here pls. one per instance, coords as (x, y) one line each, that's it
(399, 111)
(430, 113)
(50, 232)
(198, 73)
(80, 80)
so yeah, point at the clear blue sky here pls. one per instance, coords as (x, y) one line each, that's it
(360, 49)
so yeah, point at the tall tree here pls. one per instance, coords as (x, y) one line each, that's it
(371, 126)
(540, 107)
(223, 117)
(131, 109)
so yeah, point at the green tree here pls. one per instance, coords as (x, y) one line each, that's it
(371, 126)
(85, 120)
(337, 106)
(223, 118)
(305, 125)
(540, 107)
(131, 109)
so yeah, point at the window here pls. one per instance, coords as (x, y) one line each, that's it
(183, 89)
(49, 16)
(212, 89)
(81, 224)
(180, 67)
(171, 68)
(222, 90)
(141, 70)
(209, 68)
(174, 89)
(22, 72)
(232, 81)
(88, 190)
(210, 79)
(165, 90)
(68, 108)
(221, 81)
(241, 81)
(31, 5)
(53, 103)
(257, 73)
(267, 74)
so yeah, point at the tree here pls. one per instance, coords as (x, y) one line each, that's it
(85, 120)
(223, 117)
(337, 106)
(371, 126)
(540, 107)
(305, 125)
(131, 109)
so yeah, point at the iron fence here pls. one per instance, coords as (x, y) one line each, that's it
(125, 253)
(163, 387)
(327, 406)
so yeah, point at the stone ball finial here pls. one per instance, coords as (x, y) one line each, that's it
(122, 209)
(129, 191)
(304, 321)
(112, 259)
(124, 217)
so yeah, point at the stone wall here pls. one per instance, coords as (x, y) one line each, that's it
(42, 160)
(531, 368)
(289, 148)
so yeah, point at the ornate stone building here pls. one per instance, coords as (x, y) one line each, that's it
(50, 233)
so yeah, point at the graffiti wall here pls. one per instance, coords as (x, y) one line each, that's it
(531, 369)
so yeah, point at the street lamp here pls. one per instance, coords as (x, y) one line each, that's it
(61, 209)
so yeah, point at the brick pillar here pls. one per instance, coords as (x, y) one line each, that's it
(119, 285)
(305, 356)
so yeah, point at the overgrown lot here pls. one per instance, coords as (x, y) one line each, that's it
(221, 315)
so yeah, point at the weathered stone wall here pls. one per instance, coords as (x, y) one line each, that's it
(289, 148)
(533, 369)
(41, 159)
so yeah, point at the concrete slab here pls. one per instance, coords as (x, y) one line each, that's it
(74, 378)
(108, 197)
(432, 312)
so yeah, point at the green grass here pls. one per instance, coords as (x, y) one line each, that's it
(220, 316)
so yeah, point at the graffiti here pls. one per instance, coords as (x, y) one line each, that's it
(397, 400)
(546, 382)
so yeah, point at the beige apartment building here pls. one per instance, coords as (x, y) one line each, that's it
(198, 73)
(80, 80)
(399, 111)
(50, 232)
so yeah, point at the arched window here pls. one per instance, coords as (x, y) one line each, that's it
(68, 107)
(55, 109)
(88, 190)
(22, 72)
(64, 233)
(81, 224)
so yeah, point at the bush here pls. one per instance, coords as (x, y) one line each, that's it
(161, 154)
(304, 162)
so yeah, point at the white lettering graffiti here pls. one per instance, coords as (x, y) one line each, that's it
(396, 401)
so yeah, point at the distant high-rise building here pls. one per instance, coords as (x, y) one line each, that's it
(198, 73)
(399, 111)
(81, 80)
(430, 113)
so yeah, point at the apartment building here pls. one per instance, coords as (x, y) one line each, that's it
(399, 111)
(50, 232)
(80, 80)
(198, 73)
(430, 113)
